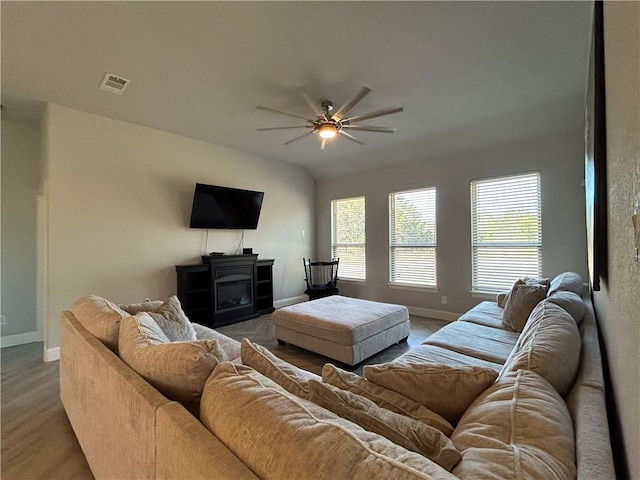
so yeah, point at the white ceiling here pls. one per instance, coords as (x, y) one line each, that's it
(468, 74)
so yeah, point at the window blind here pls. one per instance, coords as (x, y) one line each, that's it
(412, 237)
(506, 231)
(348, 237)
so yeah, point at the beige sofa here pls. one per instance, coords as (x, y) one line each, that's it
(128, 429)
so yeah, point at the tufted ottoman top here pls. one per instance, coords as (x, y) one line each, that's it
(343, 320)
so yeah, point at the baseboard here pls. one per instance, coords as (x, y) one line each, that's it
(285, 302)
(51, 354)
(19, 339)
(431, 313)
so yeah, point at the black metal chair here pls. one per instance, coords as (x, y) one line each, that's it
(321, 278)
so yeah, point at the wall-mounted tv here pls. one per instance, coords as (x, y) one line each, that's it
(224, 207)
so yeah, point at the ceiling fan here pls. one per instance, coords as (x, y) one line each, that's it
(328, 124)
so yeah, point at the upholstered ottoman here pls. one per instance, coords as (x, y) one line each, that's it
(346, 329)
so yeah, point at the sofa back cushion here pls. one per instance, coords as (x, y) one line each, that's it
(383, 397)
(445, 389)
(279, 435)
(404, 431)
(571, 302)
(568, 281)
(177, 369)
(518, 428)
(549, 345)
(101, 317)
(293, 379)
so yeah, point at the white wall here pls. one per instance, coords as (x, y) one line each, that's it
(618, 303)
(20, 185)
(119, 200)
(561, 163)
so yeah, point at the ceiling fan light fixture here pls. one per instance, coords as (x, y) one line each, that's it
(327, 130)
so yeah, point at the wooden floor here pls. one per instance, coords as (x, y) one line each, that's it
(37, 441)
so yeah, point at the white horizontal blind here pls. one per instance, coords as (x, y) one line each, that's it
(506, 231)
(412, 237)
(348, 237)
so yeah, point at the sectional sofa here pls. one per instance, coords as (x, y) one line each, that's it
(497, 403)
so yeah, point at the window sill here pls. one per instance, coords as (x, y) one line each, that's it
(353, 281)
(411, 287)
(484, 295)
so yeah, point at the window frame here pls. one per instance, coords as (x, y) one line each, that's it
(428, 246)
(336, 245)
(480, 287)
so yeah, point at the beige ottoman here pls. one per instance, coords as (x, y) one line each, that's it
(346, 329)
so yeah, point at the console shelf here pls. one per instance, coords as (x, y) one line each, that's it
(226, 289)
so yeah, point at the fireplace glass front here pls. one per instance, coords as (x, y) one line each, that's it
(233, 288)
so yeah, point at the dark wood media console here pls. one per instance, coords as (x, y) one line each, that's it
(226, 289)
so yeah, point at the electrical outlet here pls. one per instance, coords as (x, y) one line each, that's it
(3, 319)
(303, 233)
(444, 299)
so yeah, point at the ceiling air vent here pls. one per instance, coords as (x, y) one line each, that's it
(114, 84)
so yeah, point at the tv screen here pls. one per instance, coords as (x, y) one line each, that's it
(224, 207)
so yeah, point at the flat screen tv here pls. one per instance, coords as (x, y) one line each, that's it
(224, 207)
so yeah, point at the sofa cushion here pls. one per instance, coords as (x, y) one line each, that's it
(279, 435)
(524, 296)
(549, 345)
(101, 317)
(169, 316)
(571, 302)
(568, 281)
(486, 343)
(426, 353)
(177, 369)
(404, 431)
(445, 389)
(485, 313)
(383, 397)
(518, 428)
(291, 378)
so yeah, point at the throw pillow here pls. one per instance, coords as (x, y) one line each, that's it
(279, 435)
(524, 296)
(501, 298)
(169, 316)
(518, 428)
(571, 302)
(178, 370)
(549, 345)
(383, 397)
(445, 389)
(289, 377)
(401, 430)
(101, 318)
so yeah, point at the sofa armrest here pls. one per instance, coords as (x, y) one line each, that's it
(111, 408)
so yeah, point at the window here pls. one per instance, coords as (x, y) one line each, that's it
(348, 237)
(506, 236)
(412, 237)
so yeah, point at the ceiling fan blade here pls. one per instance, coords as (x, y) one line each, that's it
(366, 128)
(377, 113)
(345, 108)
(283, 113)
(314, 107)
(350, 137)
(323, 143)
(283, 128)
(298, 138)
